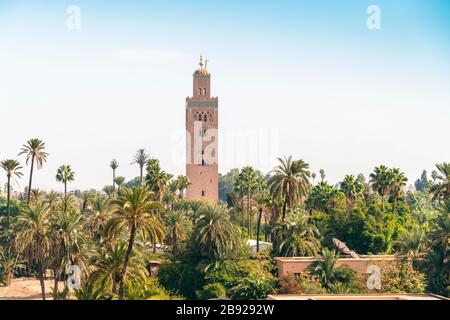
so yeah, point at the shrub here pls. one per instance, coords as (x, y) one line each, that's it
(212, 291)
(402, 278)
(288, 284)
(252, 287)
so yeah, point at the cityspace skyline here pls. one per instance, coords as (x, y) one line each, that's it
(346, 86)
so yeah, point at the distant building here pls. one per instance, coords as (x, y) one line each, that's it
(202, 123)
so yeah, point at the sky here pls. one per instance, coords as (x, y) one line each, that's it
(301, 78)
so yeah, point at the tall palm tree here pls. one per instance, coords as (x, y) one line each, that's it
(12, 169)
(34, 151)
(352, 188)
(215, 235)
(37, 195)
(140, 158)
(34, 237)
(398, 181)
(381, 180)
(291, 180)
(263, 202)
(65, 174)
(178, 227)
(114, 165)
(134, 213)
(195, 210)
(247, 181)
(441, 190)
(296, 237)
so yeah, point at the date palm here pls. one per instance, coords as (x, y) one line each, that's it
(34, 237)
(156, 179)
(65, 174)
(109, 191)
(140, 158)
(13, 170)
(114, 165)
(97, 216)
(119, 181)
(398, 181)
(296, 237)
(381, 180)
(178, 227)
(441, 190)
(35, 153)
(133, 213)
(413, 243)
(290, 179)
(352, 188)
(215, 235)
(183, 184)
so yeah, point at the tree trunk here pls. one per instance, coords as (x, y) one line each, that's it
(249, 215)
(41, 279)
(284, 207)
(142, 175)
(55, 285)
(65, 196)
(265, 228)
(127, 259)
(382, 203)
(258, 229)
(8, 200)
(31, 178)
(394, 204)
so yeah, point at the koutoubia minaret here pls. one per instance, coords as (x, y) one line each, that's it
(202, 123)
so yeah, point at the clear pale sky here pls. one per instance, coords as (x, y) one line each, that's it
(310, 74)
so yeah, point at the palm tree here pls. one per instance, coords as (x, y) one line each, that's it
(183, 184)
(413, 243)
(119, 181)
(247, 181)
(296, 237)
(157, 179)
(34, 151)
(263, 202)
(12, 168)
(109, 267)
(326, 269)
(441, 190)
(37, 195)
(215, 235)
(140, 158)
(352, 188)
(65, 174)
(34, 237)
(291, 180)
(69, 244)
(398, 181)
(109, 191)
(97, 215)
(381, 180)
(114, 165)
(195, 207)
(178, 227)
(133, 213)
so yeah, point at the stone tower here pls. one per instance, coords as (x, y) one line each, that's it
(202, 123)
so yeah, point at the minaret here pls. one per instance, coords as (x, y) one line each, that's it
(202, 124)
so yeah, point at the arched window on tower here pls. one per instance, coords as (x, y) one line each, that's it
(199, 91)
(199, 117)
(203, 193)
(205, 118)
(204, 91)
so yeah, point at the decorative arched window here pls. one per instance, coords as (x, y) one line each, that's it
(199, 117)
(199, 91)
(203, 193)
(204, 91)
(205, 118)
